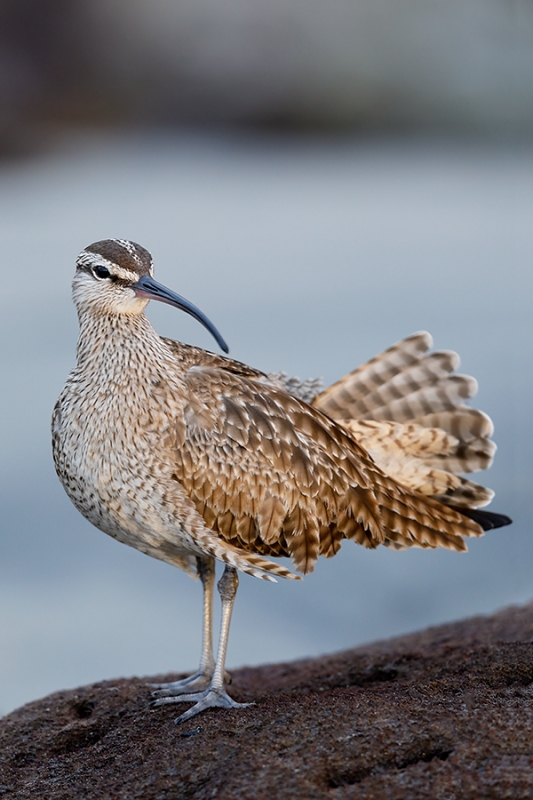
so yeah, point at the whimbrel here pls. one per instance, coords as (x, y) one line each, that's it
(192, 457)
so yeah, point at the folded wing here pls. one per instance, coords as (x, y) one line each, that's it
(272, 476)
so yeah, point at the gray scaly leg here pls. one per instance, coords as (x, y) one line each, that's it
(201, 678)
(215, 695)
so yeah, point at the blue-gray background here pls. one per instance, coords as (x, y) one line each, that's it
(311, 254)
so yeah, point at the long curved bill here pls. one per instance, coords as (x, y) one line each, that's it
(147, 287)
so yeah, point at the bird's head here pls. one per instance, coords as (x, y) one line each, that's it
(114, 277)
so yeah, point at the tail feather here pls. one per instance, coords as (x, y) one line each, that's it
(465, 459)
(488, 520)
(464, 494)
(407, 409)
(465, 423)
(442, 395)
(345, 399)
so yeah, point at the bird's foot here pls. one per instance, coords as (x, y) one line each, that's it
(210, 698)
(194, 683)
(198, 682)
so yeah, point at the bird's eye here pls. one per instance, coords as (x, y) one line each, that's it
(101, 272)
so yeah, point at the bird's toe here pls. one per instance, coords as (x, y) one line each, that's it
(213, 698)
(194, 683)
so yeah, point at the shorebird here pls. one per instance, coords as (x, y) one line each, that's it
(192, 457)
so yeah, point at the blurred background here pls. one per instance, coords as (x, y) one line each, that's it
(322, 179)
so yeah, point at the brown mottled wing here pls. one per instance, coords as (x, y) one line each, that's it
(190, 356)
(270, 475)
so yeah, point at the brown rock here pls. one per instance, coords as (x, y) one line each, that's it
(446, 713)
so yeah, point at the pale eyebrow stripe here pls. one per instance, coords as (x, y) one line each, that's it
(90, 260)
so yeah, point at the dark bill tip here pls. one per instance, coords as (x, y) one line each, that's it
(152, 290)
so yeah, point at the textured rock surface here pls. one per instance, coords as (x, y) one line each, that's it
(446, 713)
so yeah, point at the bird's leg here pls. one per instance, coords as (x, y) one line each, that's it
(215, 695)
(200, 679)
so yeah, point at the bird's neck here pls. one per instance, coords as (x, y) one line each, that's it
(119, 344)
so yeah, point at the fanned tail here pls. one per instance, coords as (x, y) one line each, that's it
(407, 409)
